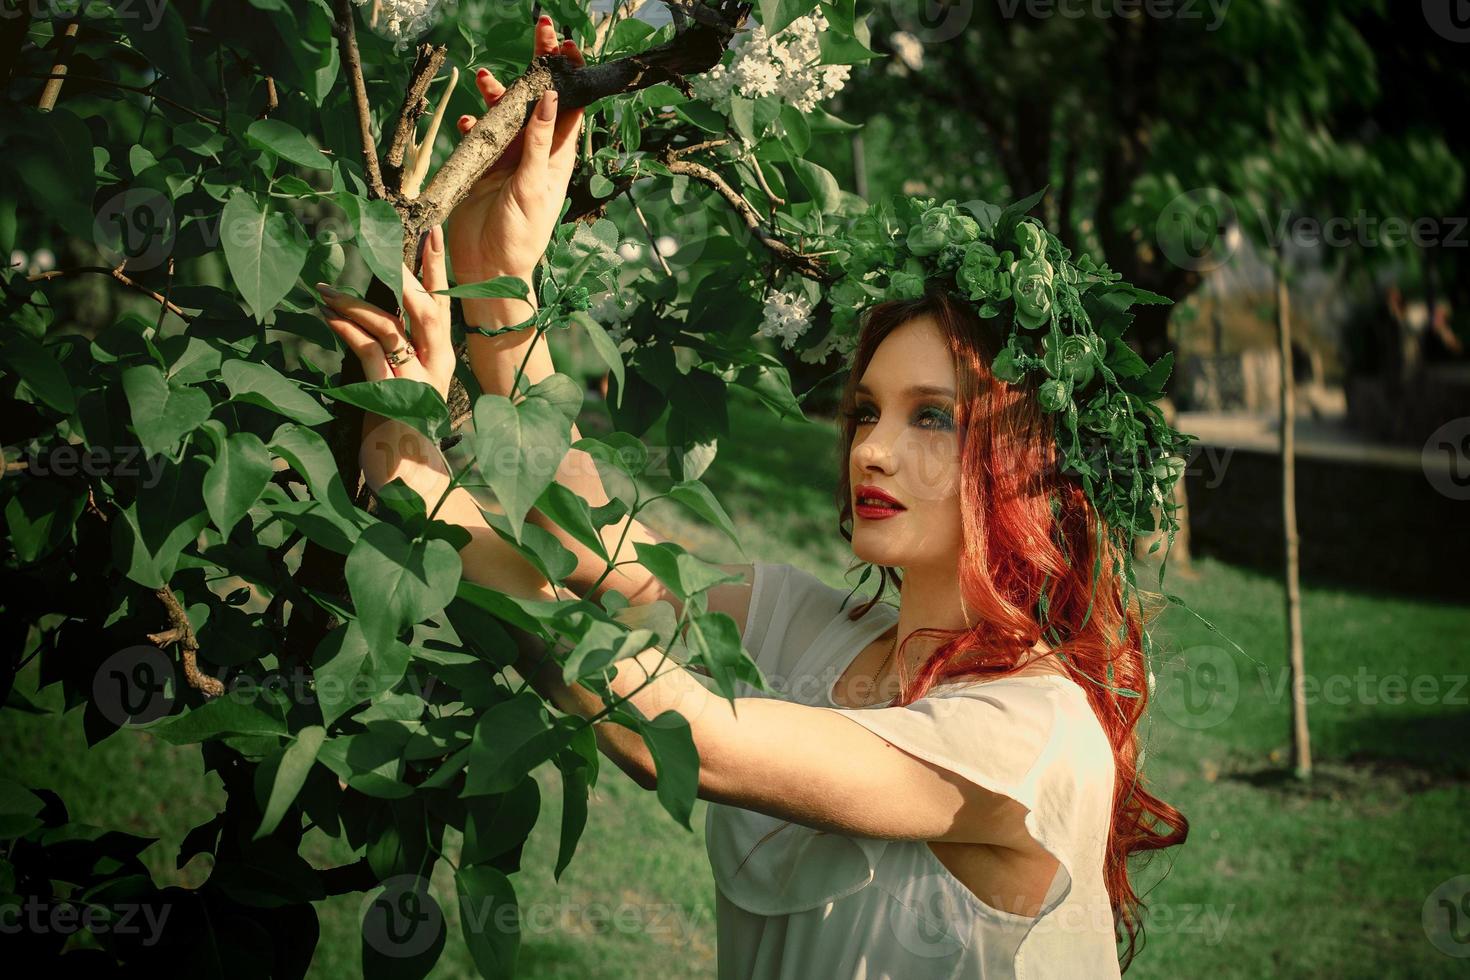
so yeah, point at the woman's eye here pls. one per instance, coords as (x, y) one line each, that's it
(938, 416)
(861, 415)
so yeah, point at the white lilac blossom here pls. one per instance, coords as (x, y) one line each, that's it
(787, 66)
(401, 21)
(607, 309)
(787, 317)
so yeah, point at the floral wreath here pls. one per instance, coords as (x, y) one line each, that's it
(1064, 325)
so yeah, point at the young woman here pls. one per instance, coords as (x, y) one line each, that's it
(929, 789)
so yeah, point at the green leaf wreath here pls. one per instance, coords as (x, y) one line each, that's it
(1064, 334)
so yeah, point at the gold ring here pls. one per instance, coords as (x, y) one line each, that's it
(397, 357)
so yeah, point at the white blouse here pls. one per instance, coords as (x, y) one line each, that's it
(810, 905)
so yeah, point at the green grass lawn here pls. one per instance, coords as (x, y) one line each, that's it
(1278, 878)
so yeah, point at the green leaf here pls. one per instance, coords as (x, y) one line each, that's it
(697, 497)
(605, 347)
(380, 239)
(820, 183)
(263, 253)
(163, 413)
(490, 919)
(684, 574)
(151, 531)
(1124, 362)
(511, 739)
(714, 638)
(518, 448)
(286, 142)
(42, 374)
(347, 673)
(242, 469)
(501, 287)
(260, 384)
(309, 455)
(370, 762)
(571, 513)
(676, 763)
(229, 714)
(19, 812)
(296, 761)
(777, 15)
(798, 131)
(396, 583)
(742, 117)
(412, 402)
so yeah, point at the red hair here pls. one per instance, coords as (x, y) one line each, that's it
(1031, 542)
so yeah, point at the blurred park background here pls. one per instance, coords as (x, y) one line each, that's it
(1296, 165)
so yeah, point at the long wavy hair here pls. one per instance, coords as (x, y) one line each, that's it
(1031, 543)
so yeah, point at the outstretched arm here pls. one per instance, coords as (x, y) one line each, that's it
(502, 229)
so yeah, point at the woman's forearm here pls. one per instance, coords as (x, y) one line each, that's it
(651, 681)
(495, 362)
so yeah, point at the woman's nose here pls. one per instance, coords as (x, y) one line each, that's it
(873, 454)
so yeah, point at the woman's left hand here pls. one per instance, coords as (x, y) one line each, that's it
(422, 353)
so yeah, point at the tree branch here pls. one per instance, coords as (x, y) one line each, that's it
(346, 31)
(66, 42)
(181, 631)
(696, 47)
(426, 65)
(140, 89)
(800, 262)
(121, 277)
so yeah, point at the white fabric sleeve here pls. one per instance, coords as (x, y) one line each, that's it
(1026, 738)
(789, 608)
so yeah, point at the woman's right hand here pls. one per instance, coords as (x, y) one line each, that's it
(504, 225)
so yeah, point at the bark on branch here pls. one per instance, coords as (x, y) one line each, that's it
(703, 33)
(346, 30)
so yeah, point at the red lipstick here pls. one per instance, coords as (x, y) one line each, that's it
(874, 504)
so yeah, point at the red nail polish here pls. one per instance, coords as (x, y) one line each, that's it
(483, 72)
(545, 19)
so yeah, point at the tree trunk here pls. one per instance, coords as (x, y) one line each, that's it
(1301, 746)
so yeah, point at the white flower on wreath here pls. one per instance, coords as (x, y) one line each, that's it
(787, 317)
(787, 66)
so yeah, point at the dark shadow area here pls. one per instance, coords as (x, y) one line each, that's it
(1376, 528)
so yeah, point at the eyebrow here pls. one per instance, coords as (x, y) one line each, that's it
(911, 390)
